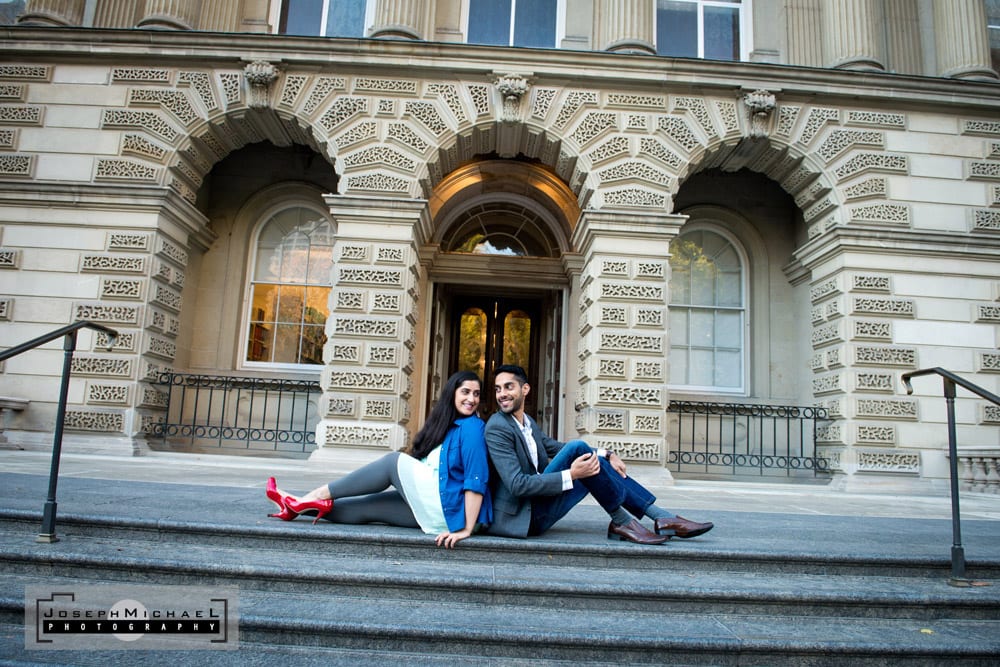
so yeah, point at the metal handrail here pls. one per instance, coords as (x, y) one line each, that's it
(48, 533)
(949, 380)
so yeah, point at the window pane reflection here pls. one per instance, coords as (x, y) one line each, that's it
(707, 313)
(290, 292)
(472, 342)
(517, 339)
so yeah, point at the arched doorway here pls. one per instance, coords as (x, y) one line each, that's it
(498, 279)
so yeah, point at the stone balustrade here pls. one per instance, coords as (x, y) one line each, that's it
(979, 469)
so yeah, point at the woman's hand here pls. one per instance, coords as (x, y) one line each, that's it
(449, 540)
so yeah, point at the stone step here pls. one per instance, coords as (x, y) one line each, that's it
(593, 636)
(567, 547)
(445, 575)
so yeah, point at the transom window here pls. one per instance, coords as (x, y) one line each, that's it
(325, 18)
(530, 23)
(501, 228)
(712, 29)
(290, 289)
(707, 313)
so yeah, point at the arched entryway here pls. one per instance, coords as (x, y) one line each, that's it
(498, 278)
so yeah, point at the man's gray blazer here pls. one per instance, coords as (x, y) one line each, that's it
(516, 481)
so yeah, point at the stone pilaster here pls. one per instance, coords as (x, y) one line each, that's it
(804, 32)
(623, 349)
(400, 19)
(171, 14)
(961, 41)
(115, 14)
(624, 26)
(221, 16)
(852, 34)
(367, 382)
(53, 12)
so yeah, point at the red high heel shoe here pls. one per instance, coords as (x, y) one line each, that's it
(278, 498)
(321, 507)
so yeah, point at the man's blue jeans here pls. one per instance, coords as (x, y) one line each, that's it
(609, 489)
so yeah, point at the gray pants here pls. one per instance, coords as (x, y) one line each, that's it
(362, 496)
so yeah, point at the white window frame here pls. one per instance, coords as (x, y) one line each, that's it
(248, 283)
(369, 18)
(560, 22)
(745, 315)
(745, 19)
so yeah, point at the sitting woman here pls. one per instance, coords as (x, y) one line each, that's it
(452, 505)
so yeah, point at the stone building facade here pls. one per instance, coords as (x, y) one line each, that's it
(843, 166)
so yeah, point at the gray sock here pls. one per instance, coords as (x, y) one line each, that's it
(654, 513)
(620, 517)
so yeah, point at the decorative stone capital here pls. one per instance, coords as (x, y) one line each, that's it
(760, 105)
(260, 74)
(512, 88)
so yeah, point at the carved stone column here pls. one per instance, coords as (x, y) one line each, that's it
(400, 19)
(624, 26)
(960, 37)
(53, 12)
(624, 346)
(171, 14)
(852, 34)
(370, 331)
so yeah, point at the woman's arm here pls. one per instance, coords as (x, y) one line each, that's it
(473, 503)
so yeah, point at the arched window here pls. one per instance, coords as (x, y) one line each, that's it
(707, 312)
(289, 289)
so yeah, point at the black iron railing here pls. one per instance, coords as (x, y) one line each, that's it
(745, 439)
(239, 413)
(950, 380)
(68, 334)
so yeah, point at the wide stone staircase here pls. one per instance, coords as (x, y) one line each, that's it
(373, 595)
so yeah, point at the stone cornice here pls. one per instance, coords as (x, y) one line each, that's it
(883, 242)
(162, 201)
(546, 66)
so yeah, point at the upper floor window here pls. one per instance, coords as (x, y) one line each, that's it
(325, 18)
(707, 312)
(712, 29)
(529, 23)
(10, 10)
(289, 289)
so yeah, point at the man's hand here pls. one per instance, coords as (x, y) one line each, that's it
(617, 463)
(587, 465)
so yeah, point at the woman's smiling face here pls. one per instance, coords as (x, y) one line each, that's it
(467, 398)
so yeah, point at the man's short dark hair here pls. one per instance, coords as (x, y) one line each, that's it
(514, 370)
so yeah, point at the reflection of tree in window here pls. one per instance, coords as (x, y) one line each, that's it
(472, 343)
(706, 312)
(517, 339)
(290, 289)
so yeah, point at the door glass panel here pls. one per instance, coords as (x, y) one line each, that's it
(517, 339)
(472, 342)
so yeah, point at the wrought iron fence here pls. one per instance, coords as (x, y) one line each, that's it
(239, 413)
(743, 439)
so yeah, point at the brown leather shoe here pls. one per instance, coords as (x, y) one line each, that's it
(633, 531)
(681, 527)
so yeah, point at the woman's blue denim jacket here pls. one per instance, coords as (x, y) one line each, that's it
(464, 467)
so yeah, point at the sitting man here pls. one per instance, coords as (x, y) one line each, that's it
(541, 479)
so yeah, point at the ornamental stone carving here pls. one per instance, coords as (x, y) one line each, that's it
(260, 75)
(760, 105)
(512, 88)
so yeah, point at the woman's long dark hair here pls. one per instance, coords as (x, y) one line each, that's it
(442, 415)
